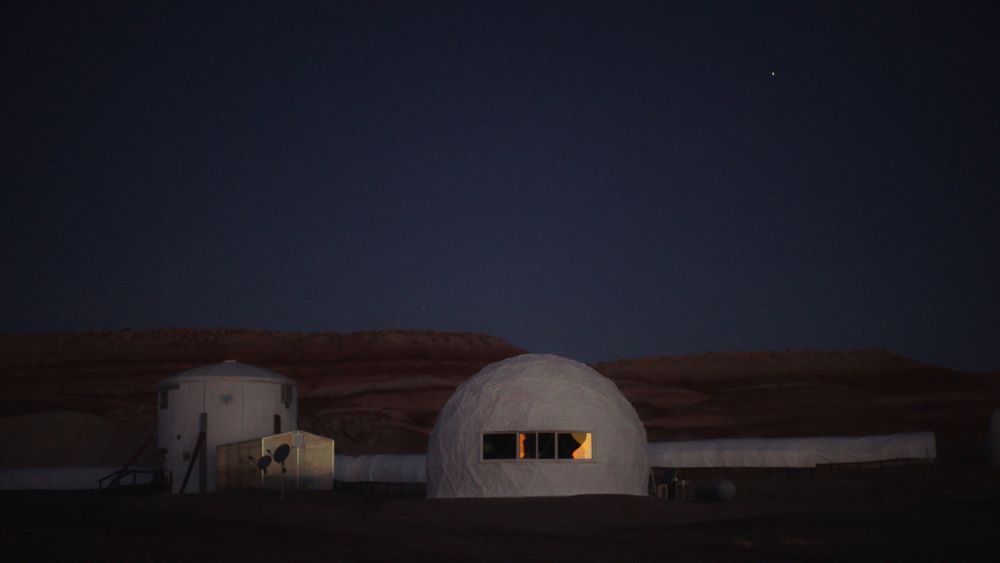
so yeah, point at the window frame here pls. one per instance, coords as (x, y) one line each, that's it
(164, 398)
(556, 459)
(482, 445)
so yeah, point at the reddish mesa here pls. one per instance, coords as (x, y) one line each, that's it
(89, 398)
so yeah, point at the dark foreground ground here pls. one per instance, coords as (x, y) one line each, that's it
(934, 513)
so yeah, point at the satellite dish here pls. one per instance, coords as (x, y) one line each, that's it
(263, 462)
(281, 453)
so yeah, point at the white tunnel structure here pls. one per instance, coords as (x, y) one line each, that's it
(500, 436)
(724, 452)
(381, 468)
(227, 402)
(792, 452)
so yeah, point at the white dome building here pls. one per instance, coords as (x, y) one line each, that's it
(229, 402)
(537, 425)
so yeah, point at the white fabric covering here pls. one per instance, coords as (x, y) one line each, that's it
(731, 452)
(535, 392)
(792, 452)
(62, 478)
(381, 468)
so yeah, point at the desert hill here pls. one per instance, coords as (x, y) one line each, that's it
(807, 393)
(373, 391)
(89, 398)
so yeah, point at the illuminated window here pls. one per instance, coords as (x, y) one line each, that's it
(538, 445)
(501, 445)
(575, 445)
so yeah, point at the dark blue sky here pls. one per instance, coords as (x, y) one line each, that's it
(594, 180)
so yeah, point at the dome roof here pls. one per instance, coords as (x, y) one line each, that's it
(544, 394)
(229, 369)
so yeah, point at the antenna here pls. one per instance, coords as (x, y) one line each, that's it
(280, 455)
(263, 463)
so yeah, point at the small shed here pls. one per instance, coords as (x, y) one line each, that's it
(309, 465)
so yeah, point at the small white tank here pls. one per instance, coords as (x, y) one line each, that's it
(230, 402)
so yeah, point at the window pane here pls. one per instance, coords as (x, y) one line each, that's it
(165, 394)
(567, 445)
(546, 445)
(575, 445)
(500, 446)
(526, 445)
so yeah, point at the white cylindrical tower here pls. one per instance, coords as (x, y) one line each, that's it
(229, 402)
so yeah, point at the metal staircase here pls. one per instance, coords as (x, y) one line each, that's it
(127, 479)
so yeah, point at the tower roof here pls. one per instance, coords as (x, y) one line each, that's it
(230, 369)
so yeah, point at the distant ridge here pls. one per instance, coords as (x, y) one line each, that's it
(184, 345)
(806, 393)
(373, 391)
(380, 391)
(786, 362)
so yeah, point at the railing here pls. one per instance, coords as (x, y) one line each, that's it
(114, 480)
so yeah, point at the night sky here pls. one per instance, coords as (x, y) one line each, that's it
(595, 180)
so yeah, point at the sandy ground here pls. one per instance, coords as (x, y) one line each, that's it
(932, 513)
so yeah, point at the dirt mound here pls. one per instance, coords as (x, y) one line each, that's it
(62, 438)
(806, 393)
(374, 391)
